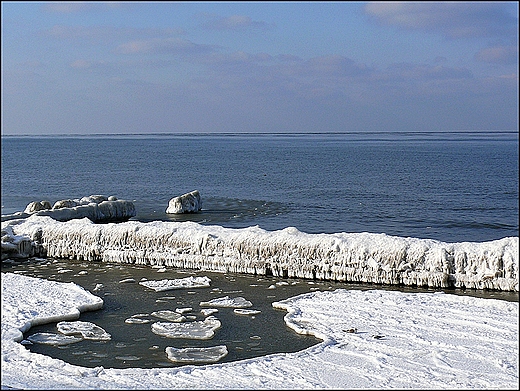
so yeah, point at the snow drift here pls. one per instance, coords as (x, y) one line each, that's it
(350, 257)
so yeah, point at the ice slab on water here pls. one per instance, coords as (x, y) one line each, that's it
(53, 339)
(192, 330)
(88, 330)
(194, 355)
(226, 301)
(241, 311)
(178, 283)
(171, 316)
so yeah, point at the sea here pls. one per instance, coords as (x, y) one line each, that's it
(447, 186)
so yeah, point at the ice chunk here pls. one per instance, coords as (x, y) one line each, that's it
(186, 203)
(241, 311)
(194, 355)
(178, 283)
(193, 330)
(168, 315)
(53, 339)
(208, 311)
(226, 301)
(183, 310)
(87, 329)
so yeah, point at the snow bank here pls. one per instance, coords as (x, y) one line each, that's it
(352, 257)
(403, 341)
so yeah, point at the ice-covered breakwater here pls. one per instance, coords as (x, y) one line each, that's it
(352, 257)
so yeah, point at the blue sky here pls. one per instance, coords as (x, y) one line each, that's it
(198, 67)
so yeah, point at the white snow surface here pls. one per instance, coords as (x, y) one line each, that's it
(424, 340)
(354, 257)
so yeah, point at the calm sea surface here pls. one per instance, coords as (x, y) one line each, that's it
(451, 187)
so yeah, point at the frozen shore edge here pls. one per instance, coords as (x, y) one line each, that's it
(287, 253)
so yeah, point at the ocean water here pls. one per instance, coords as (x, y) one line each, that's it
(451, 187)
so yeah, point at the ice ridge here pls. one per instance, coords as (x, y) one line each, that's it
(350, 257)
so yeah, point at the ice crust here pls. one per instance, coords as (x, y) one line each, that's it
(352, 257)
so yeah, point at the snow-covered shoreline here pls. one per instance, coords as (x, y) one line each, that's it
(401, 340)
(350, 257)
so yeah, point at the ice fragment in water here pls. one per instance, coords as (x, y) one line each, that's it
(193, 355)
(178, 283)
(87, 329)
(171, 316)
(226, 301)
(240, 311)
(53, 339)
(193, 330)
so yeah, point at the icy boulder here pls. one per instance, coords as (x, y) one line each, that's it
(97, 208)
(36, 206)
(186, 203)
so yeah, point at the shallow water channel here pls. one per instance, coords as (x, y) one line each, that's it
(135, 345)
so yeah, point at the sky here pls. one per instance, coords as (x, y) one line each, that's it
(258, 67)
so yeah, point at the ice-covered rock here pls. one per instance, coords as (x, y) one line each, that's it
(36, 206)
(186, 203)
(98, 208)
(196, 355)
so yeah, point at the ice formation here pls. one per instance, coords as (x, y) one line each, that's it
(226, 301)
(53, 339)
(87, 330)
(186, 203)
(351, 257)
(98, 208)
(196, 355)
(178, 283)
(241, 311)
(170, 316)
(190, 330)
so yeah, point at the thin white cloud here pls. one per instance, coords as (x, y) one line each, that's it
(451, 19)
(166, 45)
(498, 55)
(234, 23)
(107, 33)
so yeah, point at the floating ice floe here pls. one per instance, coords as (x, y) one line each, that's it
(226, 301)
(197, 355)
(287, 253)
(87, 330)
(171, 316)
(208, 311)
(241, 311)
(193, 330)
(53, 339)
(138, 319)
(178, 283)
